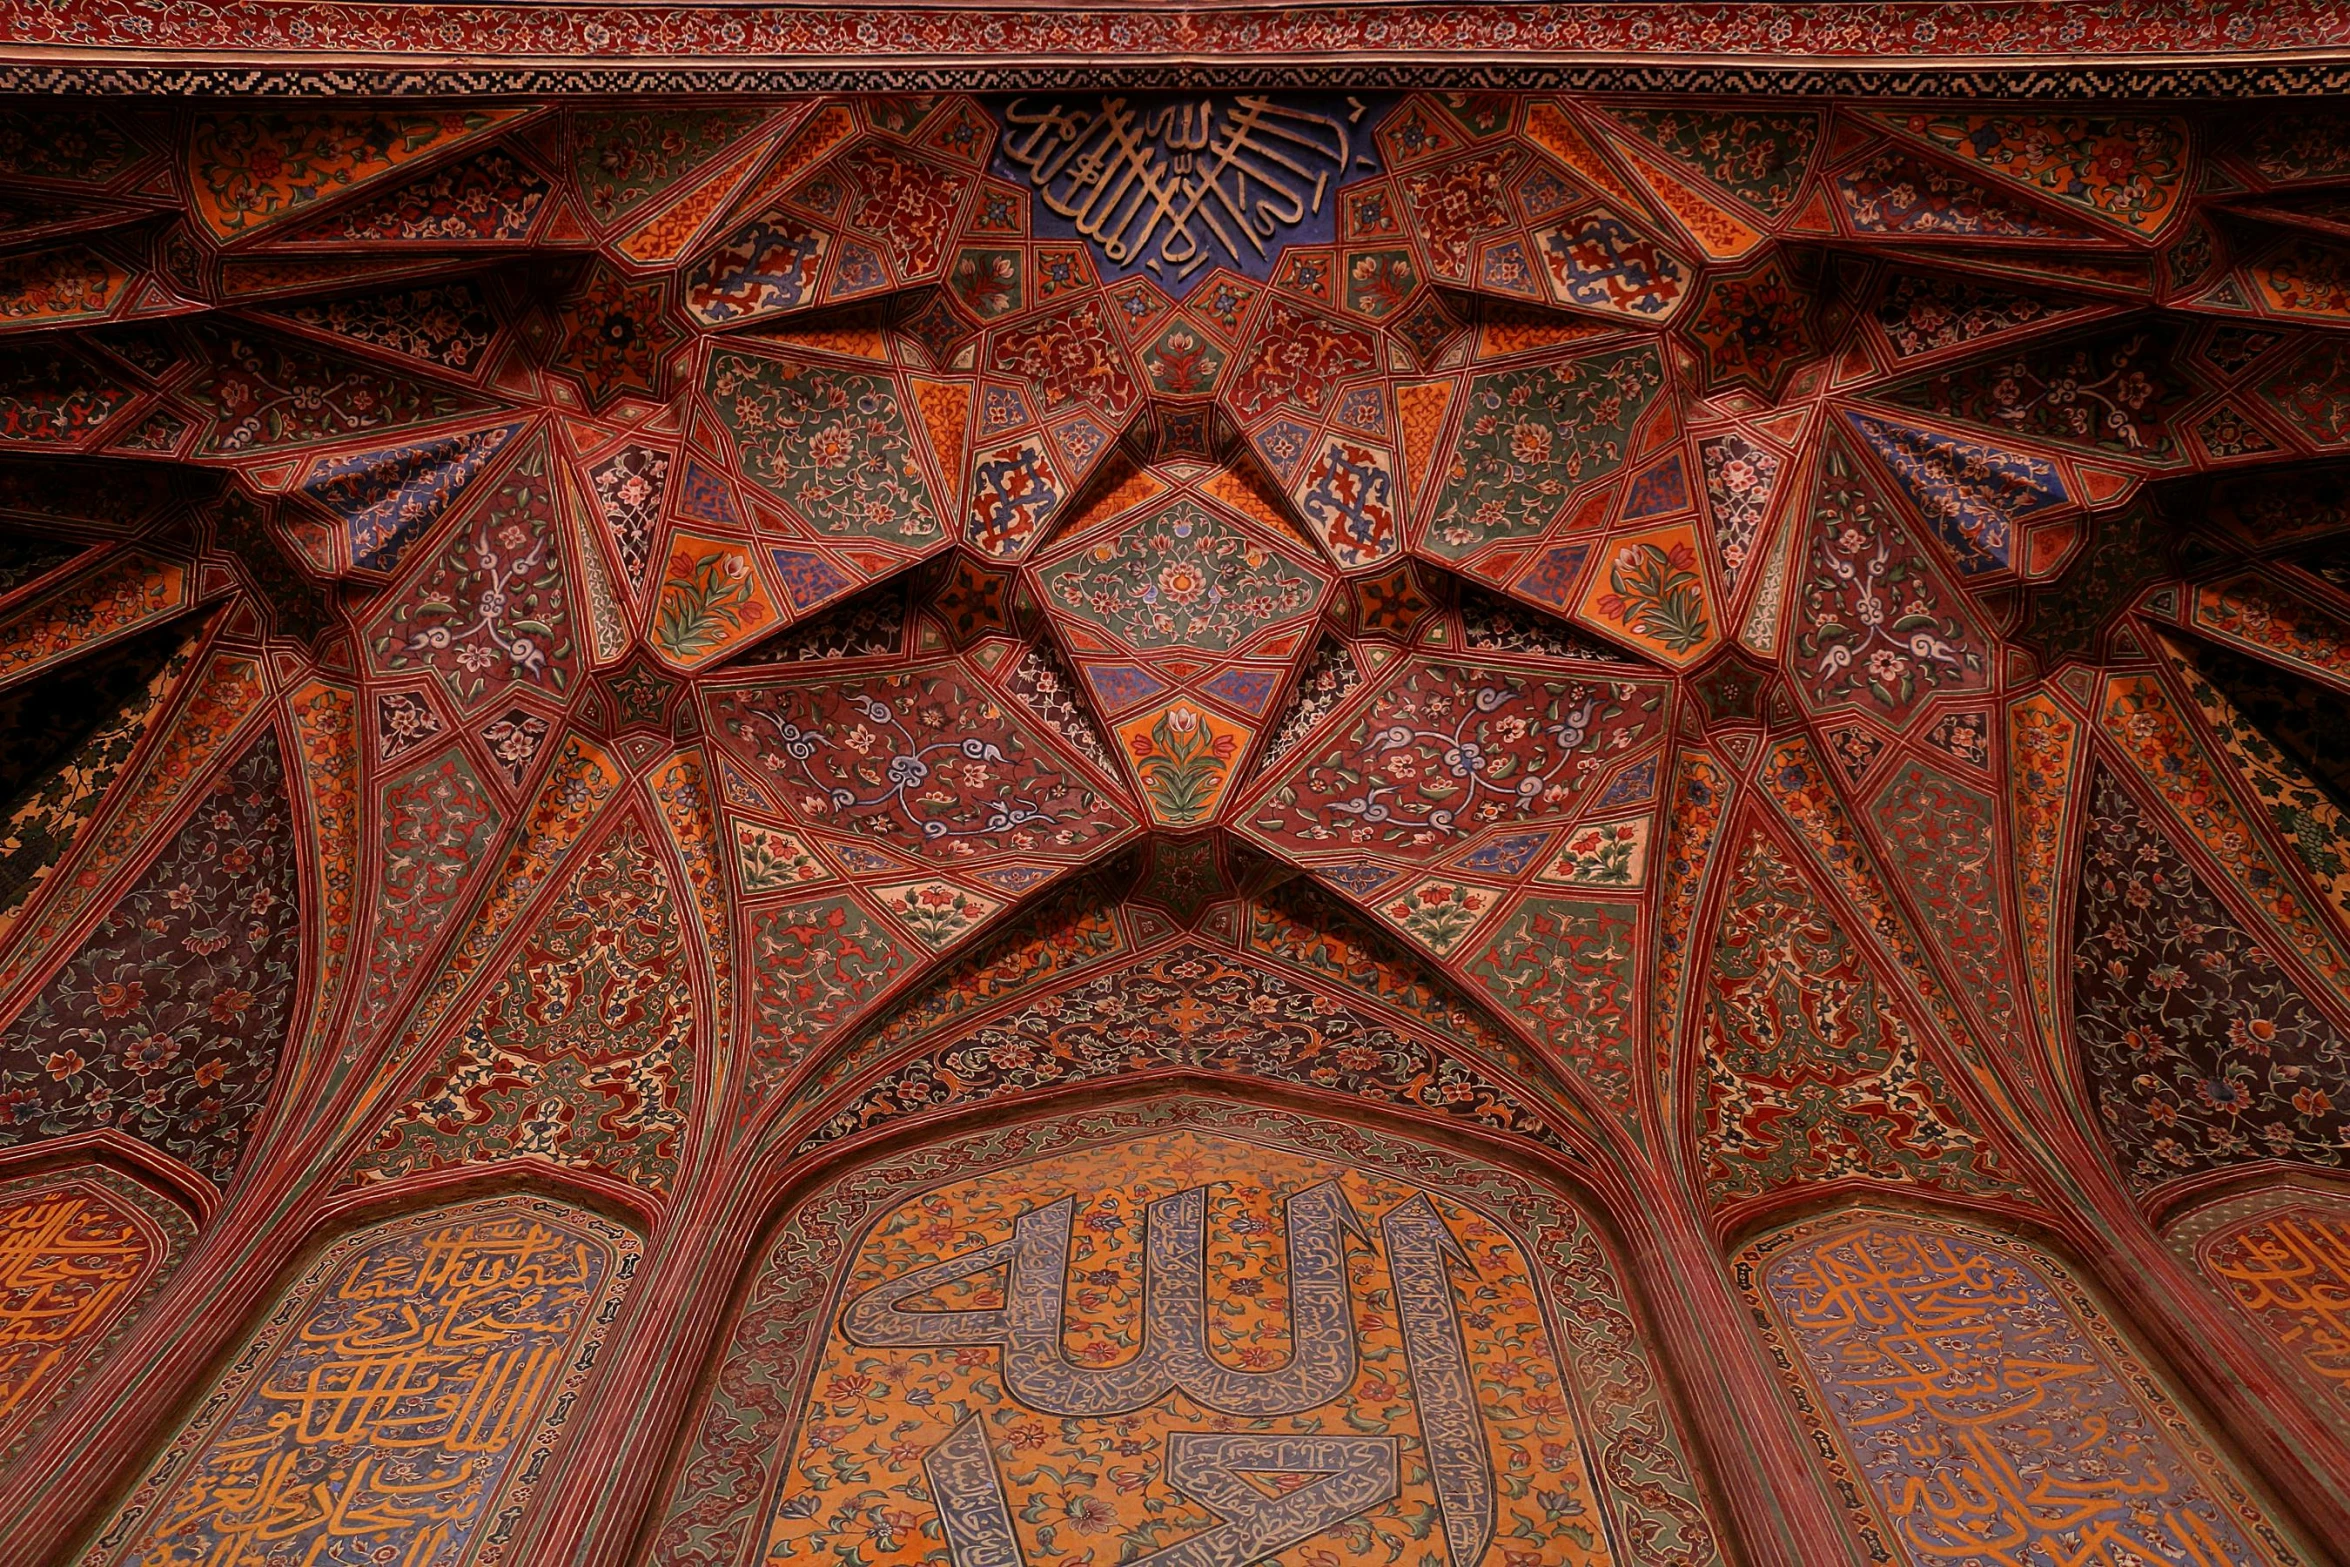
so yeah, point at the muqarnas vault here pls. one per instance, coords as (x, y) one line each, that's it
(1331, 825)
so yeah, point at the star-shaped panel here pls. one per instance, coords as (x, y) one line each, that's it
(1185, 620)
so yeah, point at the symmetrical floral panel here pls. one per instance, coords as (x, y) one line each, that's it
(1380, 786)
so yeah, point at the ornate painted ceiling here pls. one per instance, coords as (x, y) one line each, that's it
(637, 655)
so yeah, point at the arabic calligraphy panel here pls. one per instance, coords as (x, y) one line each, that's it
(1190, 1335)
(2281, 1258)
(405, 1391)
(1180, 185)
(1985, 1406)
(80, 1252)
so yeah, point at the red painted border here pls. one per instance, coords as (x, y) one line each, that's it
(280, 43)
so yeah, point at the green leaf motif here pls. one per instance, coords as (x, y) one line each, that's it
(1182, 766)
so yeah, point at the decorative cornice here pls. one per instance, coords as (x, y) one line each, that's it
(1945, 48)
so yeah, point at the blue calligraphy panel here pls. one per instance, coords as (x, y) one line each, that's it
(1176, 186)
(404, 1393)
(1991, 1411)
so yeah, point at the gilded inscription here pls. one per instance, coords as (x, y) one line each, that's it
(77, 1253)
(403, 1395)
(1175, 186)
(2282, 1258)
(2292, 1273)
(1990, 1410)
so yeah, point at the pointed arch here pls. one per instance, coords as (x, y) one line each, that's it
(83, 1248)
(1190, 1006)
(2279, 1255)
(791, 1381)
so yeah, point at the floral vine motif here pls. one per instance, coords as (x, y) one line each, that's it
(480, 641)
(1565, 967)
(1654, 591)
(1181, 578)
(1183, 762)
(2043, 753)
(1810, 1072)
(493, 606)
(831, 444)
(1465, 758)
(1190, 1007)
(2113, 392)
(920, 760)
(262, 395)
(2200, 1050)
(1873, 624)
(2130, 169)
(1739, 479)
(1921, 312)
(1182, 363)
(251, 170)
(1758, 157)
(908, 771)
(582, 1054)
(815, 967)
(166, 1025)
(939, 913)
(708, 596)
(1448, 750)
(1530, 436)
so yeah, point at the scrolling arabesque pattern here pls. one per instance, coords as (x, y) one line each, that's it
(776, 622)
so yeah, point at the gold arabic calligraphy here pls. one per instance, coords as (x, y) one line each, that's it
(71, 1260)
(2290, 1271)
(1989, 1417)
(383, 1426)
(1171, 187)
